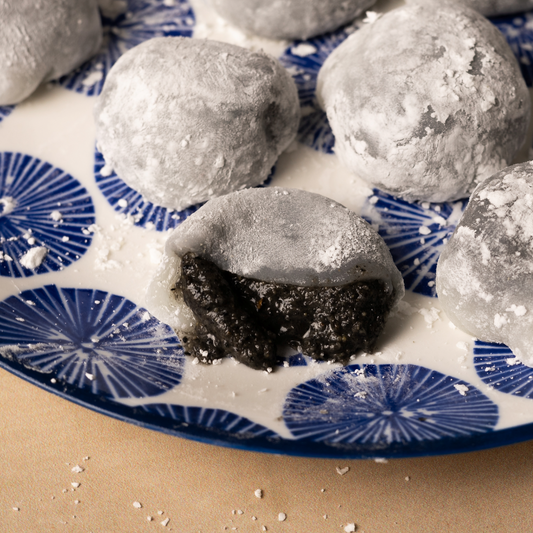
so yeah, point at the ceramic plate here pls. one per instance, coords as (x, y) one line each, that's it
(75, 323)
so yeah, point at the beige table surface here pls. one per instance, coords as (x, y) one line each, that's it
(203, 488)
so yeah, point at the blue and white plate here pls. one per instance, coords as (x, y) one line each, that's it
(75, 324)
(45, 216)
(5, 111)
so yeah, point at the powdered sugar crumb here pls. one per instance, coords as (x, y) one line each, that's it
(34, 257)
(462, 389)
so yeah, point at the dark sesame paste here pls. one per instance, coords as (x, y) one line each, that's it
(246, 318)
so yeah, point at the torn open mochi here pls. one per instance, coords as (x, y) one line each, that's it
(485, 272)
(263, 267)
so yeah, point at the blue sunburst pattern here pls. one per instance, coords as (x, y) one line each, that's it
(41, 207)
(5, 111)
(497, 366)
(386, 404)
(139, 21)
(303, 60)
(129, 202)
(415, 234)
(211, 418)
(91, 339)
(518, 30)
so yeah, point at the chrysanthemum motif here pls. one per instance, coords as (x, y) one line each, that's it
(217, 419)
(127, 23)
(129, 202)
(518, 30)
(91, 339)
(303, 60)
(44, 216)
(5, 111)
(415, 234)
(497, 366)
(385, 404)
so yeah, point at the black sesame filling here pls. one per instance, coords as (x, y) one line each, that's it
(246, 318)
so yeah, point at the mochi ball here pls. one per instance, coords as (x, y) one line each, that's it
(485, 272)
(183, 120)
(275, 235)
(491, 8)
(290, 19)
(426, 102)
(41, 40)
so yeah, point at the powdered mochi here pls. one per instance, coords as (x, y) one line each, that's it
(425, 102)
(294, 19)
(485, 272)
(42, 40)
(184, 120)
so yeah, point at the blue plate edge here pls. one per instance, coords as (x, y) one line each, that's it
(281, 446)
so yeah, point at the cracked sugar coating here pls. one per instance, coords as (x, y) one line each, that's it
(285, 236)
(485, 272)
(293, 19)
(42, 40)
(426, 102)
(183, 120)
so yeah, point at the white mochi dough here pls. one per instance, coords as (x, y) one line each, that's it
(184, 120)
(485, 272)
(276, 235)
(426, 102)
(290, 19)
(41, 40)
(491, 8)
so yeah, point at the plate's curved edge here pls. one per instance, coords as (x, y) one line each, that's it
(271, 445)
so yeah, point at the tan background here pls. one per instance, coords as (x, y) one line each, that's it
(202, 488)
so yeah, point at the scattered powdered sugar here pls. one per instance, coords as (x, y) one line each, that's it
(371, 17)
(430, 315)
(56, 215)
(462, 389)
(303, 50)
(34, 257)
(7, 205)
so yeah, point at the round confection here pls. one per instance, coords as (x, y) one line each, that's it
(183, 120)
(485, 272)
(294, 19)
(425, 102)
(491, 8)
(44, 40)
(283, 236)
